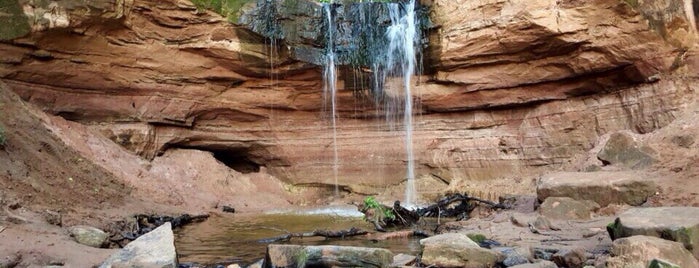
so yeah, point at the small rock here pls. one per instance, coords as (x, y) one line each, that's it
(637, 251)
(89, 236)
(540, 264)
(684, 141)
(567, 208)
(153, 249)
(235, 265)
(228, 209)
(42, 54)
(456, 250)
(521, 220)
(544, 253)
(53, 217)
(401, 260)
(10, 261)
(680, 224)
(512, 257)
(570, 257)
(592, 232)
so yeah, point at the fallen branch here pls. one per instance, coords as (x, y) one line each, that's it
(456, 205)
(316, 233)
(398, 235)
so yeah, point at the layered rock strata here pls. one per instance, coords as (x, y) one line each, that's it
(510, 86)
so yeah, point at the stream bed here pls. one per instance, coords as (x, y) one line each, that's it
(234, 238)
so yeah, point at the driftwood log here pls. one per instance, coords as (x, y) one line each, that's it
(457, 206)
(316, 233)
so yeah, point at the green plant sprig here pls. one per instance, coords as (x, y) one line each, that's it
(370, 202)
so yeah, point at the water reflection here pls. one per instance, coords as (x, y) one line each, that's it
(235, 237)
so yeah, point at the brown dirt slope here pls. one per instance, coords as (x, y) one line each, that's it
(38, 169)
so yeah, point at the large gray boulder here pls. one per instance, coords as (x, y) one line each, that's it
(155, 249)
(326, 256)
(567, 208)
(89, 236)
(602, 187)
(640, 250)
(680, 224)
(456, 250)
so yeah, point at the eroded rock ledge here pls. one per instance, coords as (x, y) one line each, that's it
(511, 86)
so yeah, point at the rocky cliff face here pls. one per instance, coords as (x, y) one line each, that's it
(511, 88)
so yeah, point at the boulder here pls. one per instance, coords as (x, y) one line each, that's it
(155, 249)
(512, 256)
(456, 250)
(540, 264)
(89, 236)
(570, 257)
(640, 250)
(622, 149)
(519, 203)
(602, 187)
(658, 263)
(402, 260)
(567, 208)
(544, 224)
(680, 224)
(326, 256)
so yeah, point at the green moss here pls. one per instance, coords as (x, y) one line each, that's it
(3, 139)
(613, 230)
(14, 22)
(478, 238)
(227, 8)
(301, 258)
(632, 3)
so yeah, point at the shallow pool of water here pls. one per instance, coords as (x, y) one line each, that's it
(234, 238)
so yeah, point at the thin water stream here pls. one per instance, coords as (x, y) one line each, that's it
(234, 238)
(330, 87)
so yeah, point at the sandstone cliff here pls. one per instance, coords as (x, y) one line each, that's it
(511, 88)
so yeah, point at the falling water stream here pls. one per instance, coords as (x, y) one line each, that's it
(237, 237)
(400, 61)
(330, 87)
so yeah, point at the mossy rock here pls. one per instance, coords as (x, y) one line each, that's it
(227, 8)
(14, 22)
(680, 224)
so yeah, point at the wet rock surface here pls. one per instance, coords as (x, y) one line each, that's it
(326, 256)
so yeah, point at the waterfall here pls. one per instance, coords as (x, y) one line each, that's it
(330, 88)
(400, 61)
